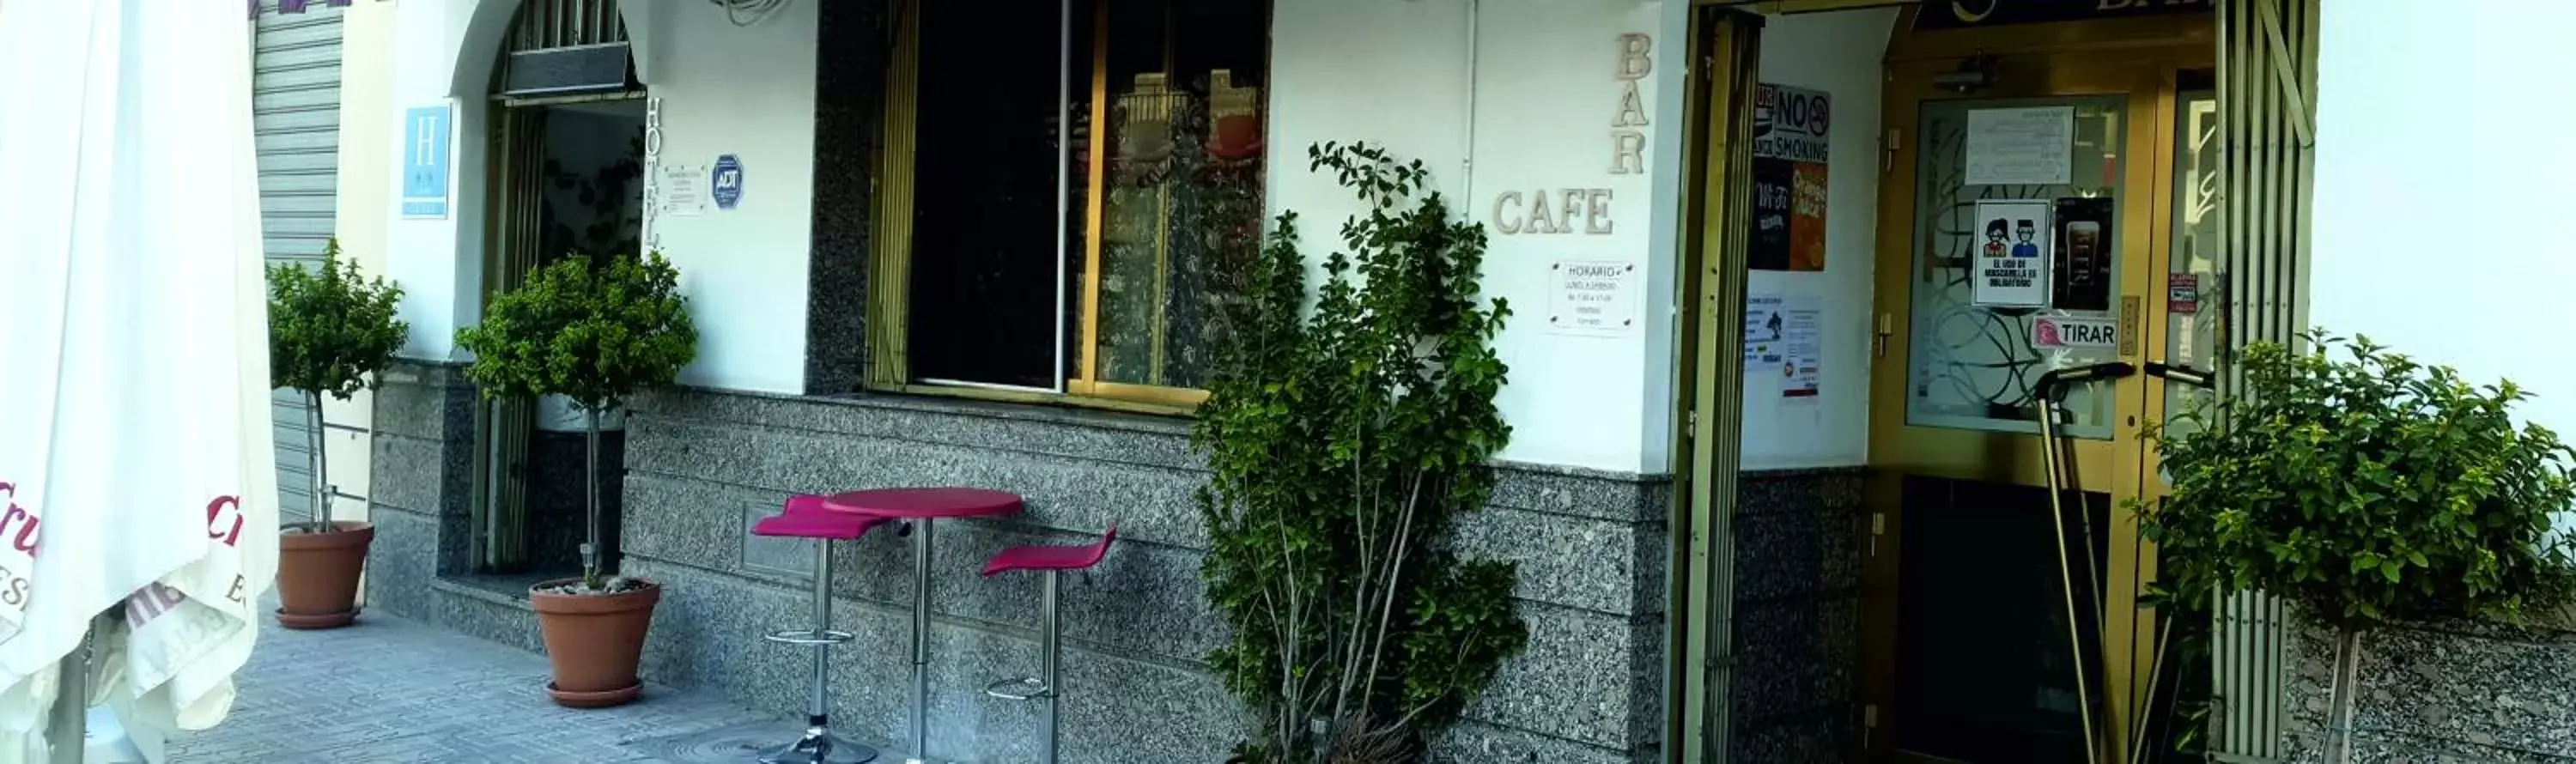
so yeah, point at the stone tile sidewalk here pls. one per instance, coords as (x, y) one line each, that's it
(390, 690)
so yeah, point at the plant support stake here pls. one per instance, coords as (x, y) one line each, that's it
(590, 477)
(322, 488)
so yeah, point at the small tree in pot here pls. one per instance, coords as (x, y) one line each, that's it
(2366, 489)
(595, 332)
(330, 330)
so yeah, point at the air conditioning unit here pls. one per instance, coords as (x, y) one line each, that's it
(568, 71)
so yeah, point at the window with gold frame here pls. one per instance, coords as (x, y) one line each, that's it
(1013, 262)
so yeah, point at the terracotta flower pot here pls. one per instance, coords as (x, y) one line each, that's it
(317, 575)
(594, 641)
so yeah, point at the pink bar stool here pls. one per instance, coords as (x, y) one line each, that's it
(1054, 560)
(806, 518)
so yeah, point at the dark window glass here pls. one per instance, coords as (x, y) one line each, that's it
(984, 254)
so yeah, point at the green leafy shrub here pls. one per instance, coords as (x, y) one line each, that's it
(329, 331)
(594, 332)
(2366, 488)
(1344, 447)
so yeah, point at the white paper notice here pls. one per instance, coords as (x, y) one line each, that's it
(1784, 339)
(1802, 352)
(683, 189)
(2013, 253)
(1592, 297)
(1766, 331)
(2021, 146)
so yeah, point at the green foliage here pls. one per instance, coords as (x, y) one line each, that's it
(2367, 488)
(330, 329)
(592, 332)
(1345, 445)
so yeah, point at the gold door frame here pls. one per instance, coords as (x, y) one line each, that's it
(2138, 59)
(1708, 436)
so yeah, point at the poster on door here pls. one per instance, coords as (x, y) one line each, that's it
(2080, 276)
(2013, 252)
(1791, 127)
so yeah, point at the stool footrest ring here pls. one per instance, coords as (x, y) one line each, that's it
(1024, 688)
(809, 636)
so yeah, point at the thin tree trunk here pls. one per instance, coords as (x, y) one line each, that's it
(590, 477)
(321, 468)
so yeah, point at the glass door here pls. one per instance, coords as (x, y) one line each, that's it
(2021, 231)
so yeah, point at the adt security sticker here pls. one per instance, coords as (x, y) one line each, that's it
(726, 185)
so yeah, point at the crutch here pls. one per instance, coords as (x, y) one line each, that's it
(2144, 724)
(2059, 463)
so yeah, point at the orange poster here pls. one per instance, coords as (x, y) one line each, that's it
(1807, 218)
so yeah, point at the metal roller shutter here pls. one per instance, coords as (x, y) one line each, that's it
(295, 106)
(2267, 84)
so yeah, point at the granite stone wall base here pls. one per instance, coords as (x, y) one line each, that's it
(421, 485)
(2448, 692)
(704, 465)
(1797, 609)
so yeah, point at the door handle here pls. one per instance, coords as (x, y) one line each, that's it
(2182, 374)
(2052, 386)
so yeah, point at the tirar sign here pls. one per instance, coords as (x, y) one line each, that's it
(1964, 14)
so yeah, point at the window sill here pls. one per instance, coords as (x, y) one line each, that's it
(1005, 404)
(1034, 399)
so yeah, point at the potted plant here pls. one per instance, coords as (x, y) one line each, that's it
(2365, 489)
(1345, 444)
(596, 332)
(329, 331)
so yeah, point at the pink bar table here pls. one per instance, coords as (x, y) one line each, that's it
(921, 506)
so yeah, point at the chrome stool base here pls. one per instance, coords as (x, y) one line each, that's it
(821, 747)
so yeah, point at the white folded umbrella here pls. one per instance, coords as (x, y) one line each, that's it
(134, 405)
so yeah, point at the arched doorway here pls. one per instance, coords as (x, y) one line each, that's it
(565, 175)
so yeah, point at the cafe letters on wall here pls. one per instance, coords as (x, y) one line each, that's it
(1966, 14)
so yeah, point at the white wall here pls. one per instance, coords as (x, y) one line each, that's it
(725, 90)
(748, 92)
(365, 182)
(1544, 99)
(1840, 54)
(2441, 165)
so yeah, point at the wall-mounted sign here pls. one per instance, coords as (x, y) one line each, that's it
(425, 161)
(1592, 297)
(2068, 333)
(2013, 253)
(2182, 293)
(1961, 14)
(1627, 141)
(682, 190)
(727, 182)
(2025, 146)
(1791, 146)
(1554, 211)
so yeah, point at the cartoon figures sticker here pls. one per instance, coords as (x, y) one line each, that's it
(2012, 265)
